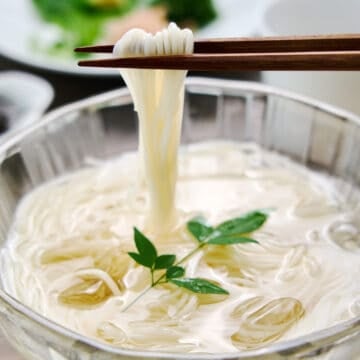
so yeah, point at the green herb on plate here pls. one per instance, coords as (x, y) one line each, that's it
(195, 14)
(80, 21)
(84, 22)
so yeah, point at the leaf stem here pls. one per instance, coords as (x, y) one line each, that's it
(190, 254)
(152, 277)
(138, 298)
(159, 280)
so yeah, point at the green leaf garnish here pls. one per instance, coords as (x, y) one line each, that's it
(174, 272)
(140, 259)
(243, 224)
(234, 231)
(199, 229)
(200, 286)
(230, 240)
(164, 261)
(146, 249)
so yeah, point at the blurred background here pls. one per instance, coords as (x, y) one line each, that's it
(38, 68)
(38, 36)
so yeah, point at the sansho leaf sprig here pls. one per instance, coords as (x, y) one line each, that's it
(233, 231)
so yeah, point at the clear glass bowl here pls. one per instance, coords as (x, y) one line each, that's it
(315, 134)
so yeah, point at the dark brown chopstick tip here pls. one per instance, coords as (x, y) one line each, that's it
(95, 49)
(87, 63)
(83, 49)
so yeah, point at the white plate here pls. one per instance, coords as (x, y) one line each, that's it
(26, 97)
(19, 21)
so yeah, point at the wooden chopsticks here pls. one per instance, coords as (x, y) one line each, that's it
(325, 52)
(245, 62)
(262, 45)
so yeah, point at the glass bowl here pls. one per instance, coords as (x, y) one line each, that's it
(310, 132)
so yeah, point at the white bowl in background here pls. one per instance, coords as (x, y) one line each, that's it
(23, 99)
(307, 17)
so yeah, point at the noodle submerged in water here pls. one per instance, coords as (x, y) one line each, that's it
(67, 253)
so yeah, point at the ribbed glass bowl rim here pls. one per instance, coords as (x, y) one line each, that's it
(301, 344)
